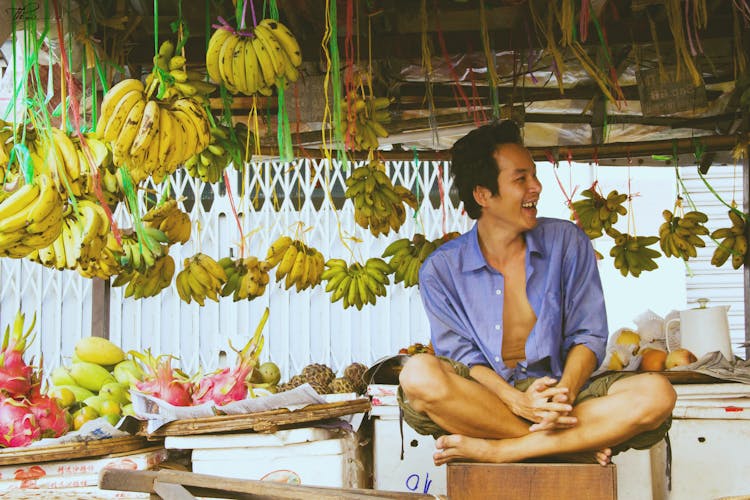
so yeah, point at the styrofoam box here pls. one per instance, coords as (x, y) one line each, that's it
(710, 459)
(306, 456)
(416, 472)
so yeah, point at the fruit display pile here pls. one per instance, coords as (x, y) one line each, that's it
(628, 345)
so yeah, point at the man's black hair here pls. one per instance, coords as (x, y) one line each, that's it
(473, 163)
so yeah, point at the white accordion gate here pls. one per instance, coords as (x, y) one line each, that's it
(302, 327)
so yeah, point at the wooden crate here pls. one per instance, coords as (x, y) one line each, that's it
(540, 481)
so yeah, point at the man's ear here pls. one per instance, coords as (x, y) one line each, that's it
(481, 194)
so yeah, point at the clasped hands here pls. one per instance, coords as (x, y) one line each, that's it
(546, 405)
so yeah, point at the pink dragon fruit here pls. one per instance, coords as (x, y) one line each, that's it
(50, 417)
(162, 381)
(15, 374)
(18, 426)
(227, 385)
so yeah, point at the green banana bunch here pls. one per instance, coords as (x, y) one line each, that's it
(201, 278)
(632, 254)
(170, 78)
(597, 213)
(407, 256)
(149, 282)
(679, 236)
(363, 120)
(356, 285)
(226, 145)
(139, 252)
(734, 242)
(378, 204)
(169, 219)
(246, 278)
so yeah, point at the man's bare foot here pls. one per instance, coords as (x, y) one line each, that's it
(457, 447)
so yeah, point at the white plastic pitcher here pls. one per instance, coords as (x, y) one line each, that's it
(703, 330)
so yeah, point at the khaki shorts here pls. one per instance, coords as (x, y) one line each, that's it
(423, 424)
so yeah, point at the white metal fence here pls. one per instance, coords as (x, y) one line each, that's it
(302, 327)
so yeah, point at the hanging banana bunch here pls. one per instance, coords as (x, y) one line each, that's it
(246, 278)
(151, 137)
(106, 265)
(149, 282)
(171, 79)
(378, 204)
(734, 242)
(632, 254)
(169, 219)
(597, 213)
(256, 61)
(680, 236)
(209, 164)
(30, 218)
(298, 264)
(356, 284)
(201, 278)
(363, 120)
(407, 256)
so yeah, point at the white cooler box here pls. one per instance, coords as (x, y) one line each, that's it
(306, 456)
(710, 438)
(416, 473)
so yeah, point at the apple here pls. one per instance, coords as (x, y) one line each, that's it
(679, 357)
(652, 360)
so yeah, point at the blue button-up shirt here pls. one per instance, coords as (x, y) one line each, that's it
(463, 297)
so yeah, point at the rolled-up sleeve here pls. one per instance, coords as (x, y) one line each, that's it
(448, 332)
(585, 315)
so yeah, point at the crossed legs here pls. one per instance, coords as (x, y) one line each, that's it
(482, 428)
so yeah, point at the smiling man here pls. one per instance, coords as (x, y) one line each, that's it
(518, 322)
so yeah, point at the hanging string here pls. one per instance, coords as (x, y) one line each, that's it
(674, 19)
(427, 65)
(458, 90)
(552, 159)
(583, 20)
(490, 56)
(236, 215)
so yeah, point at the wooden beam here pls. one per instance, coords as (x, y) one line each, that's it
(144, 481)
(562, 153)
(100, 308)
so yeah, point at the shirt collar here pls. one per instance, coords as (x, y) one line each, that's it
(475, 259)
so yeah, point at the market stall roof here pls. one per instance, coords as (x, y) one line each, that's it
(638, 70)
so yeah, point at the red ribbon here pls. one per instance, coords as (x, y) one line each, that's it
(94, 172)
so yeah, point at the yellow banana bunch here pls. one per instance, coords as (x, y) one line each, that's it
(246, 278)
(150, 137)
(298, 264)
(201, 277)
(734, 241)
(363, 120)
(632, 254)
(378, 204)
(107, 263)
(597, 213)
(256, 61)
(679, 236)
(356, 284)
(30, 218)
(169, 219)
(171, 79)
(149, 282)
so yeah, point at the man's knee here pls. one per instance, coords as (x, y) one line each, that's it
(656, 397)
(423, 379)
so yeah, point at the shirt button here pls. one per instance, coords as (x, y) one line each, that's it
(497, 327)
(497, 359)
(498, 292)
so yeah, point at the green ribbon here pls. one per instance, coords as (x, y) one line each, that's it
(338, 133)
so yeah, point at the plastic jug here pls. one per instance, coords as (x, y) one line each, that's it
(703, 330)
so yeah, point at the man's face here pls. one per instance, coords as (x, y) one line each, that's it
(518, 190)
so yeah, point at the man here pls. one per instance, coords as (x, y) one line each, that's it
(517, 316)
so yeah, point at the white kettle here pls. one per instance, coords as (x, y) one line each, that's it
(703, 330)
